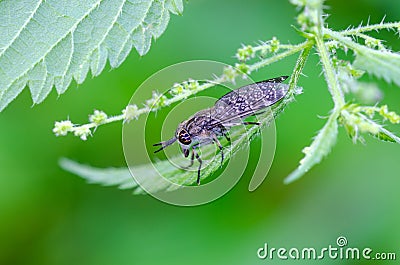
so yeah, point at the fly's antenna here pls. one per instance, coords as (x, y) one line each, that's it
(164, 144)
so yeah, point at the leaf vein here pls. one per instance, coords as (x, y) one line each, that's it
(21, 29)
(55, 44)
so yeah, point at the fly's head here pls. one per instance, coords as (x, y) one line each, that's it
(184, 138)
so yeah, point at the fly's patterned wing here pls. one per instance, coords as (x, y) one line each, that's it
(248, 100)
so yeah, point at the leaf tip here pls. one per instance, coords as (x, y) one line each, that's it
(295, 175)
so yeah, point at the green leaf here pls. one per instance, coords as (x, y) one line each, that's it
(49, 43)
(383, 64)
(105, 176)
(319, 148)
(121, 177)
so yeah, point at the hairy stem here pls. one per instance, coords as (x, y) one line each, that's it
(346, 41)
(367, 28)
(329, 73)
(301, 61)
(293, 50)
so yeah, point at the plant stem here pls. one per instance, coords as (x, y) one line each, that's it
(327, 67)
(371, 28)
(329, 72)
(295, 49)
(301, 61)
(188, 93)
(268, 45)
(346, 41)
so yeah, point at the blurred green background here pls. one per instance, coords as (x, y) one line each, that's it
(48, 216)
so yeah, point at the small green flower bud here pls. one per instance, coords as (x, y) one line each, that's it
(383, 110)
(130, 113)
(392, 116)
(192, 84)
(245, 53)
(156, 101)
(98, 117)
(82, 132)
(274, 44)
(243, 68)
(61, 128)
(176, 89)
(370, 112)
(229, 74)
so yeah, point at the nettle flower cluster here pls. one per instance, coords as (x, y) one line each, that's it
(131, 112)
(62, 128)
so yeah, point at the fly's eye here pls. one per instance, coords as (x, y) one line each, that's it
(184, 137)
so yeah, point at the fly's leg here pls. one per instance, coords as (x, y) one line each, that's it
(215, 139)
(191, 161)
(227, 137)
(250, 123)
(199, 169)
(224, 133)
(200, 161)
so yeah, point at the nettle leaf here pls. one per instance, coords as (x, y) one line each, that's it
(320, 147)
(49, 43)
(105, 176)
(122, 178)
(383, 64)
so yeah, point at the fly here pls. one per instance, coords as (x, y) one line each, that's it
(207, 125)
